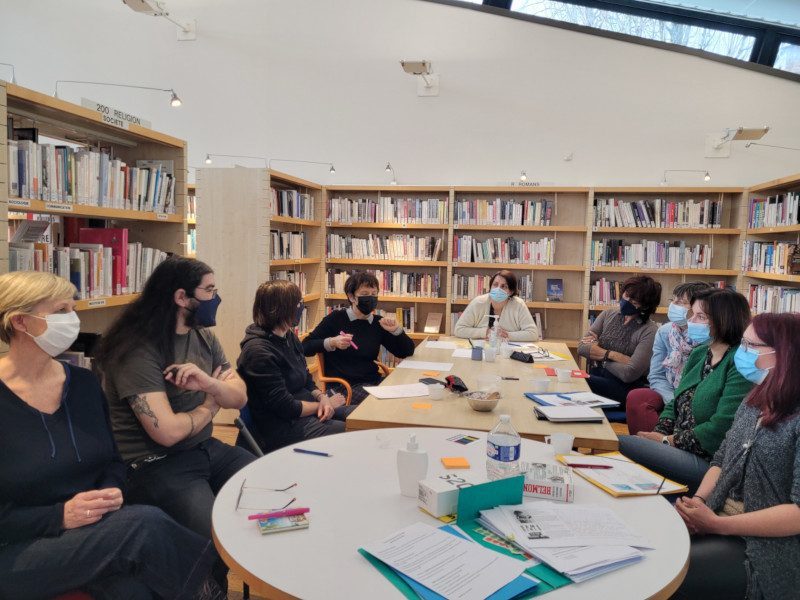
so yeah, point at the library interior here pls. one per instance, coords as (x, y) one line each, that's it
(418, 286)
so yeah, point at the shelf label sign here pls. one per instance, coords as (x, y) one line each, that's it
(59, 207)
(19, 202)
(161, 216)
(96, 303)
(114, 116)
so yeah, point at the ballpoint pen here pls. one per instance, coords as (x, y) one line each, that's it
(577, 466)
(314, 452)
(290, 512)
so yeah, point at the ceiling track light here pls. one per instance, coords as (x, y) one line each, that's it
(706, 174)
(523, 176)
(390, 169)
(174, 100)
(13, 73)
(331, 170)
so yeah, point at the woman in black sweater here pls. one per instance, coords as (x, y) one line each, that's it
(285, 405)
(63, 525)
(351, 339)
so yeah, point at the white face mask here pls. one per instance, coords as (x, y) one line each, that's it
(62, 331)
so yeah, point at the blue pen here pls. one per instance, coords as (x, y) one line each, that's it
(314, 452)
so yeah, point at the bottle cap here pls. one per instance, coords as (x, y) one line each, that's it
(505, 418)
(412, 442)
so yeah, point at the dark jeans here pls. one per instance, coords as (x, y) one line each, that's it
(604, 382)
(668, 461)
(359, 394)
(137, 552)
(716, 569)
(302, 428)
(184, 484)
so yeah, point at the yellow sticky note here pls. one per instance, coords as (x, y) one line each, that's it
(421, 405)
(455, 462)
(561, 356)
(431, 373)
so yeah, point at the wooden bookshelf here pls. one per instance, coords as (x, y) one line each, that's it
(397, 299)
(61, 120)
(428, 226)
(773, 230)
(294, 221)
(388, 263)
(648, 271)
(671, 231)
(522, 228)
(517, 266)
(773, 276)
(293, 262)
(661, 310)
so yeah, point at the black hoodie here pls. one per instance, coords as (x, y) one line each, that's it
(46, 459)
(274, 369)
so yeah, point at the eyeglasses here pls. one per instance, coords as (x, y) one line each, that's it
(209, 290)
(747, 345)
(245, 488)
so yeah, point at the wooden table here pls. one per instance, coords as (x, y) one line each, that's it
(454, 411)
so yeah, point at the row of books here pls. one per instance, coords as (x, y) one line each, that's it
(503, 211)
(469, 286)
(773, 298)
(386, 247)
(191, 207)
(699, 214)
(429, 211)
(780, 258)
(94, 269)
(650, 254)
(467, 248)
(287, 244)
(191, 241)
(774, 211)
(391, 282)
(88, 176)
(607, 292)
(292, 203)
(296, 277)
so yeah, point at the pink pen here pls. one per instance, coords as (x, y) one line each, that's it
(351, 341)
(289, 512)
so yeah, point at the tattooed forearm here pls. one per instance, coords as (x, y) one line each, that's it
(140, 407)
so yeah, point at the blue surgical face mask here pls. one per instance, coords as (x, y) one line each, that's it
(677, 313)
(698, 332)
(745, 361)
(498, 294)
(626, 308)
(205, 315)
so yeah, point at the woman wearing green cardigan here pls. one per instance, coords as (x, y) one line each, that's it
(692, 427)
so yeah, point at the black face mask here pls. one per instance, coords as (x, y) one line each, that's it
(627, 309)
(298, 314)
(366, 304)
(205, 313)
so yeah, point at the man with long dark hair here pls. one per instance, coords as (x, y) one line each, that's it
(166, 376)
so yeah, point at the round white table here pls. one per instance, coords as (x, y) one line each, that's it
(355, 499)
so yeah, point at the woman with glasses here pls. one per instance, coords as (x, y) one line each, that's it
(671, 348)
(64, 522)
(745, 516)
(285, 404)
(692, 427)
(166, 376)
(352, 338)
(619, 343)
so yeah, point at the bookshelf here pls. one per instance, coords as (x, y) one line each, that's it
(772, 221)
(60, 122)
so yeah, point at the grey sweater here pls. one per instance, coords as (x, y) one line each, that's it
(763, 466)
(634, 339)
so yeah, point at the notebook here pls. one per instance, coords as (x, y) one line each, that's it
(568, 414)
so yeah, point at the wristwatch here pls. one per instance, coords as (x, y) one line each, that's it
(665, 441)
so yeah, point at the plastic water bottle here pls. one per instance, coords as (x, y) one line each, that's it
(502, 450)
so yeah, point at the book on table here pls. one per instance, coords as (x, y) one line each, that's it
(624, 478)
(589, 399)
(568, 414)
(276, 524)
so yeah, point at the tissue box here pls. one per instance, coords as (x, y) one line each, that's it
(439, 495)
(551, 482)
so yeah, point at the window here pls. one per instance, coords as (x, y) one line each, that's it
(734, 45)
(788, 58)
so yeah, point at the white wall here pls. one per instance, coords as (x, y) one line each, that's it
(320, 80)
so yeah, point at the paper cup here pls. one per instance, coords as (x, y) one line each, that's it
(561, 442)
(538, 386)
(435, 391)
(564, 375)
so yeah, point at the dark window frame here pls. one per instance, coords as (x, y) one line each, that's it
(768, 36)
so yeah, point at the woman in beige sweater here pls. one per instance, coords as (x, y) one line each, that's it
(501, 304)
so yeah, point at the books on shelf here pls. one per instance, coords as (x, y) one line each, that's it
(555, 290)
(430, 211)
(650, 254)
(385, 247)
(292, 203)
(467, 248)
(392, 282)
(769, 257)
(287, 244)
(296, 277)
(775, 211)
(88, 176)
(605, 291)
(469, 286)
(660, 213)
(191, 207)
(503, 211)
(773, 298)
(191, 241)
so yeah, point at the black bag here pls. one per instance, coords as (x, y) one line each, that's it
(521, 357)
(455, 384)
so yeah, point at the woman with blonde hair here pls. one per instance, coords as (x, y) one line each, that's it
(62, 522)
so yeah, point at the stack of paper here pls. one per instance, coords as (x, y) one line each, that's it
(579, 541)
(589, 399)
(568, 414)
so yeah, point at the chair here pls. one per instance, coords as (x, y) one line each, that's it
(244, 422)
(323, 379)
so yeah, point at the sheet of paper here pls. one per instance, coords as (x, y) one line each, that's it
(406, 390)
(425, 365)
(589, 399)
(550, 525)
(624, 476)
(446, 564)
(441, 345)
(462, 353)
(579, 559)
